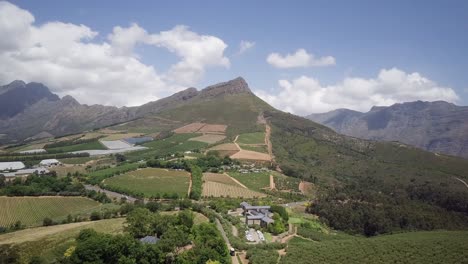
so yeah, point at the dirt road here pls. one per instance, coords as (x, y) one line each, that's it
(462, 181)
(110, 194)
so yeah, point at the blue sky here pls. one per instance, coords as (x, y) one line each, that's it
(363, 37)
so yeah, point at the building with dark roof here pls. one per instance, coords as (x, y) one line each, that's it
(257, 215)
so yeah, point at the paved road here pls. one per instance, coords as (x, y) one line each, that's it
(110, 194)
(228, 244)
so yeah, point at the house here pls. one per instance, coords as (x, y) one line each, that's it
(49, 162)
(11, 166)
(149, 240)
(257, 215)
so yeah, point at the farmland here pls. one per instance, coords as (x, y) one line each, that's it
(50, 242)
(283, 182)
(413, 247)
(80, 160)
(254, 181)
(32, 210)
(216, 189)
(220, 178)
(209, 138)
(251, 138)
(251, 155)
(151, 182)
(95, 144)
(256, 148)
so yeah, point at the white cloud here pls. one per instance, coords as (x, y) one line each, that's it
(245, 46)
(67, 58)
(306, 95)
(299, 59)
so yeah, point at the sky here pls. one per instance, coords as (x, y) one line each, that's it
(300, 56)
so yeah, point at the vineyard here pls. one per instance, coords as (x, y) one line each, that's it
(220, 178)
(216, 189)
(151, 182)
(253, 180)
(32, 210)
(413, 247)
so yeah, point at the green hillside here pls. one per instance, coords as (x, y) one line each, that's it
(413, 247)
(371, 187)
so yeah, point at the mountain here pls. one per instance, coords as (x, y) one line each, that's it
(32, 110)
(434, 126)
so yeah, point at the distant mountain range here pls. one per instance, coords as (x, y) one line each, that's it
(434, 126)
(31, 111)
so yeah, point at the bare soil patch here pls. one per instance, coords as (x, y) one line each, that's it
(251, 155)
(216, 189)
(190, 128)
(209, 138)
(215, 128)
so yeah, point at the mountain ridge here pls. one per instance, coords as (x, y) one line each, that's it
(436, 126)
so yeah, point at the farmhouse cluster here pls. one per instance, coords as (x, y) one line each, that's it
(257, 215)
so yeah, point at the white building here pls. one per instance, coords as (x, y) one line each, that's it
(49, 162)
(14, 165)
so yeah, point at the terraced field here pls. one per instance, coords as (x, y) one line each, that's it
(31, 211)
(151, 182)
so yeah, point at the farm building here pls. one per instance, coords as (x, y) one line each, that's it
(49, 162)
(14, 165)
(257, 215)
(149, 240)
(25, 172)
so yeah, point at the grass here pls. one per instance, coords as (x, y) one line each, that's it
(413, 247)
(63, 171)
(52, 241)
(31, 211)
(77, 147)
(283, 182)
(74, 161)
(254, 181)
(198, 217)
(151, 182)
(261, 149)
(251, 138)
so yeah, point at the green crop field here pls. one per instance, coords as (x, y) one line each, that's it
(254, 181)
(77, 147)
(52, 241)
(261, 148)
(79, 160)
(252, 138)
(151, 182)
(31, 211)
(414, 247)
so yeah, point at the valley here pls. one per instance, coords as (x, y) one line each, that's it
(182, 170)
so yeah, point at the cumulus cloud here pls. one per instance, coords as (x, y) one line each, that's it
(305, 95)
(67, 58)
(245, 46)
(299, 59)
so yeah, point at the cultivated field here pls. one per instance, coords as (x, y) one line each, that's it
(209, 138)
(285, 183)
(251, 155)
(190, 128)
(151, 182)
(64, 170)
(216, 189)
(220, 178)
(119, 136)
(251, 138)
(254, 181)
(227, 149)
(213, 128)
(31, 211)
(78, 147)
(52, 241)
(79, 160)
(256, 148)
(412, 247)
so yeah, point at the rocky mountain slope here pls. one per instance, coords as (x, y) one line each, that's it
(434, 126)
(31, 110)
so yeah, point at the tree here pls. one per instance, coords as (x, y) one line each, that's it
(2, 181)
(95, 216)
(139, 222)
(120, 158)
(47, 222)
(186, 218)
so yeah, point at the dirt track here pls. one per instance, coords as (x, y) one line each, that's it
(249, 155)
(462, 181)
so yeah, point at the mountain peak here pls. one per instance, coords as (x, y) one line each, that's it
(234, 86)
